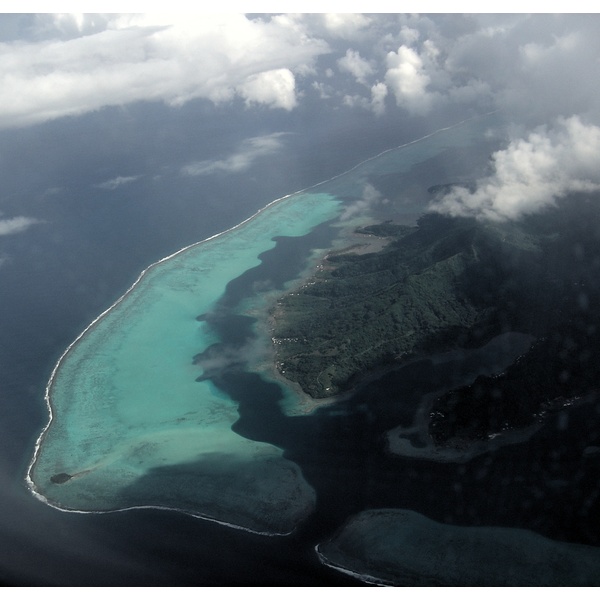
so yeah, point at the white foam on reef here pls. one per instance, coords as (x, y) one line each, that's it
(130, 406)
(356, 575)
(202, 517)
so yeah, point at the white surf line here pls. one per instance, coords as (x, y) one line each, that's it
(28, 479)
(415, 141)
(355, 574)
(195, 515)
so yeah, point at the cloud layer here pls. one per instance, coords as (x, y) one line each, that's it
(536, 66)
(172, 58)
(536, 69)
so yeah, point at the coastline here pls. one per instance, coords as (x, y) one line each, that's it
(49, 386)
(364, 577)
(305, 399)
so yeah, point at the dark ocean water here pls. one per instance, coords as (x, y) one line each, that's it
(544, 483)
(60, 274)
(88, 248)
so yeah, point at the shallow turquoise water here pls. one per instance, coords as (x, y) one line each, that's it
(124, 398)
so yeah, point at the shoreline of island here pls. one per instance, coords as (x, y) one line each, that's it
(49, 387)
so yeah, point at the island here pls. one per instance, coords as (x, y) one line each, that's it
(449, 283)
(328, 357)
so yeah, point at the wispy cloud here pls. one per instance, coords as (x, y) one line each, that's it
(16, 225)
(113, 184)
(371, 197)
(248, 152)
(532, 173)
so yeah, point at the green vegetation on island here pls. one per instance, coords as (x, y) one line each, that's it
(450, 283)
(432, 287)
(560, 305)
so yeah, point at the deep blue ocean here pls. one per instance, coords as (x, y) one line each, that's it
(88, 248)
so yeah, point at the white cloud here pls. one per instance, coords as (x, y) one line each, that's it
(357, 66)
(249, 151)
(407, 79)
(345, 25)
(16, 225)
(273, 88)
(530, 174)
(170, 58)
(113, 184)
(379, 93)
(80, 63)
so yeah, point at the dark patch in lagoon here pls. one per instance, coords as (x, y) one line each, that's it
(278, 265)
(222, 488)
(60, 478)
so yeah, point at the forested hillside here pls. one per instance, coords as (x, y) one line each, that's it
(456, 282)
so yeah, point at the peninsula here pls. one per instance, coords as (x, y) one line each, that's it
(450, 283)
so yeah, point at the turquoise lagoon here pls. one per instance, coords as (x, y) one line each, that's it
(124, 400)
